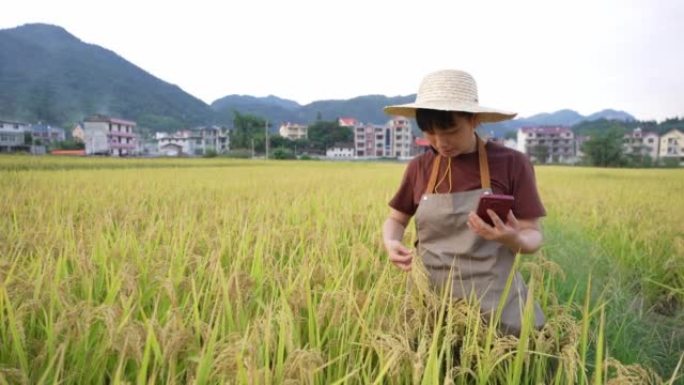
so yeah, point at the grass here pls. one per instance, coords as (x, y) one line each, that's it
(202, 271)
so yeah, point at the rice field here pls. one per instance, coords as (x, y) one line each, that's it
(213, 271)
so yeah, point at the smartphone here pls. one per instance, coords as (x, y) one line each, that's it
(501, 204)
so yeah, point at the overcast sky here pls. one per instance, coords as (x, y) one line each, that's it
(527, 56)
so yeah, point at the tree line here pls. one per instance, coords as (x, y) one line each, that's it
(249, 134)
(604, 148)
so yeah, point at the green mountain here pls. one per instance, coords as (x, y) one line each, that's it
(47, 74)
(367, 109)
(272, 108)
(565, 117)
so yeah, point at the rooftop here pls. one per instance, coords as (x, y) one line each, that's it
(546, 130)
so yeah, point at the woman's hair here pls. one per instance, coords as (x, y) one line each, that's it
(435, 120)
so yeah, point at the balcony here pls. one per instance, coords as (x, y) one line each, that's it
(121, 134)
(117, 145)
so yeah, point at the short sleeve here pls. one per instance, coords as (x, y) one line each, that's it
(403, 199)
(527, 204)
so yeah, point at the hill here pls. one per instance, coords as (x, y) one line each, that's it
(367, 109)
(49, 75)
(559, 118)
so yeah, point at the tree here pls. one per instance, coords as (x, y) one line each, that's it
(540, 152)
(324, 134)
(247, 128)
(605, 149)
(283, 153)
(68, 144)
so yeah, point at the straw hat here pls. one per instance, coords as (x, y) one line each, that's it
(449, 90)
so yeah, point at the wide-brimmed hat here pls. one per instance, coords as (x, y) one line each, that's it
(449, 90)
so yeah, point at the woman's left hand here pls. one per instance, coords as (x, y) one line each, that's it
(507, 233)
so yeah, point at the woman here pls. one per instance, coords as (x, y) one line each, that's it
(442, 188)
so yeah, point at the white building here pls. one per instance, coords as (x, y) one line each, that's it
(393, 140)
(401, 137)
(672, 146)
(508, 143)
(46, 134)
(554, 143)
(639, 142)
(12, 136)
(198, 141)
(78, 134)
(104, 135)
(293, 131)
(340, 151)
(179, 143)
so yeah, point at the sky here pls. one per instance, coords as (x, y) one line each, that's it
(527, 56)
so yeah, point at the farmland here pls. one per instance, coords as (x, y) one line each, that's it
(212, 271)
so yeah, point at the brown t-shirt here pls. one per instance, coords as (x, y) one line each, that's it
(511, 173)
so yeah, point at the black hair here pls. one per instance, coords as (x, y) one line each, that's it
(435, 120)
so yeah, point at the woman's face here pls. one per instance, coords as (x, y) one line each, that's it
(455, 140)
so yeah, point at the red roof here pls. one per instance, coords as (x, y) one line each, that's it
(348, 122)
(68, 152)
(422, 142)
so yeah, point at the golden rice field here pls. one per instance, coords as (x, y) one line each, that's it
(213, 271)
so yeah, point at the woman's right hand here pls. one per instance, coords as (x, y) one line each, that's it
(399, 255)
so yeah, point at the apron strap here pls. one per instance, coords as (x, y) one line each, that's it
(485, 179)
(433, 174)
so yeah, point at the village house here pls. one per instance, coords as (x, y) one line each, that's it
(641, 143)
(293, 131)
(340, 151)
(547, 144)
(46, 134)
(197, 142)
(13, 136)
(104, 135)
(420, 145)
(672, 146)
(393, 140)
(78, 134)
(509, 143)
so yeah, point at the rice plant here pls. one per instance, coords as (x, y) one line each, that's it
(196, 271)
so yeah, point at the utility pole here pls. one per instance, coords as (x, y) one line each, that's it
(252, 148)
(266, 129)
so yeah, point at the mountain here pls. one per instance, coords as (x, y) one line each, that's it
(367, 109)
(246, 101)
(609, 114)
(272, 108)
(559, 118)
(49, 75)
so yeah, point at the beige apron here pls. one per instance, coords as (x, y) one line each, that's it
(480, 267)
